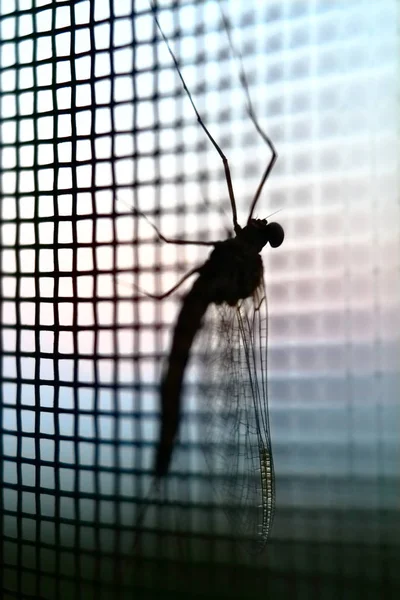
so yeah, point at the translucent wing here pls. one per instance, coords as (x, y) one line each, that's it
(232, 348)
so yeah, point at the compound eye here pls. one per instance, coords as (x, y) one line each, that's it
(276, 234)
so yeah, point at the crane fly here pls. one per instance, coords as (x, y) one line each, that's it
(227, 304)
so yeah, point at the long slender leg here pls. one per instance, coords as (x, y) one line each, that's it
(161, 236)
(169, 292)
(251, 113)
(179, 242)
(199, 119)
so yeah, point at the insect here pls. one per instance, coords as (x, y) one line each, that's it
(227, 303)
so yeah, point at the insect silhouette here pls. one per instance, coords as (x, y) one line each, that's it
(227, 303)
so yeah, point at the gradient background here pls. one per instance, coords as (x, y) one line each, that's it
(94, 123)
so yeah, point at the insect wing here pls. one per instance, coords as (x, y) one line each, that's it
(233, 399)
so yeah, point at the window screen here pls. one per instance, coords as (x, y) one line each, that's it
(95, 130)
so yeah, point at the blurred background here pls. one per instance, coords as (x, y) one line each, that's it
(95, 126)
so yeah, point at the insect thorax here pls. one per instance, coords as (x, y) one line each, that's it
(232, 272)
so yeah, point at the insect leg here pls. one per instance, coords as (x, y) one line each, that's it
(200, 121)
(181, 242)
(169, 292)
(162, 237)
(168, 241)
(251, 113)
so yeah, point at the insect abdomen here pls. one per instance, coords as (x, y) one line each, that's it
(189, 322)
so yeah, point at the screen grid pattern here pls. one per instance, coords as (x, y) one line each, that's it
(96, 130)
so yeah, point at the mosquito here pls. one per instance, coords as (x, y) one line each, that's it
(226, 312)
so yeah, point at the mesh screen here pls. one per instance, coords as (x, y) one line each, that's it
(95, 126)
